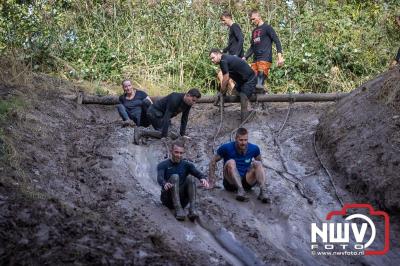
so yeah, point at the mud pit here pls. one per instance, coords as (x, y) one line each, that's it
(82, 193)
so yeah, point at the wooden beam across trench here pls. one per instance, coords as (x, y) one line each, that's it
(300, 97)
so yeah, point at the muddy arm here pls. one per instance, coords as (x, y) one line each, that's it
(258, 158)
(161, 175)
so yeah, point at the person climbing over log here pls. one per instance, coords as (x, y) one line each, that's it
(160, 113)
(261, 49)
(133, 105)
(176, 176)
(240, 173)
(235, 47)
(237, 69)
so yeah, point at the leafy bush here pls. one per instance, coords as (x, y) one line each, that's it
(163, 45)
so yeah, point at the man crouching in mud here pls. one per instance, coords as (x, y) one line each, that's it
(241, 173)
(177, 187)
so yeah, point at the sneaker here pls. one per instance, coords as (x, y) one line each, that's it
(241, 195)
(125, 123)
(193, 214)
(263, 196)
(180, 214)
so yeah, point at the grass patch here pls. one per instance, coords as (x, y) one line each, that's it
(8, 153)
(6, 106)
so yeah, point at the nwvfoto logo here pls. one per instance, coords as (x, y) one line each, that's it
(337, 235)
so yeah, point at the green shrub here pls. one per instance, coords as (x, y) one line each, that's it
(328, 45)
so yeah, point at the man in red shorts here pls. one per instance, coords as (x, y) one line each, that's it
(261, 49)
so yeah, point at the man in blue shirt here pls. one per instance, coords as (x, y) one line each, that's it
(241, 172)
(178, 188)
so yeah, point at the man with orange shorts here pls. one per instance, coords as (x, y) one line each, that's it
(261, 49)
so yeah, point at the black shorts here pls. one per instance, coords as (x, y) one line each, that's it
(229, 187)
(248, 88)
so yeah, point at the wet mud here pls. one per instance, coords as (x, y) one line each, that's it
(74, 189)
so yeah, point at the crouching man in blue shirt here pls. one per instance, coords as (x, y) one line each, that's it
(241, 172)
(178, 189)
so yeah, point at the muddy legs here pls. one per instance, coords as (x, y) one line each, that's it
(257, 175)
(244, 106)
(179, 213)
(142, 132)
(193, 214)
(234, 178)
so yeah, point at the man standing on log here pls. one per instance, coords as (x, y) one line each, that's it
(178, 189)
(261, 49)
(240, 172)
(235, 46)
(133, 105)
(160, 113)
(237, 69)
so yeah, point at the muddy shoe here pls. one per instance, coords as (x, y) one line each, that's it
(259, 87)
(180, 214)
(137, 135)
(173, 135)
(263, 195)
(241, 195)
(260, 90)
(126, 123)
(193, 214)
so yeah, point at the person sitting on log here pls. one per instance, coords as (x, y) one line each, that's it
(133, 105)
(176, 177)
(160, 113)
(241, 172)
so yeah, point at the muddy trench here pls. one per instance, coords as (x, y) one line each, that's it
(102, 193)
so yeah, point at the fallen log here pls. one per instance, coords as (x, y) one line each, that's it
(306, 97)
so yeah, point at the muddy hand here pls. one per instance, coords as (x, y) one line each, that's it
(204, 183)
(167, 186)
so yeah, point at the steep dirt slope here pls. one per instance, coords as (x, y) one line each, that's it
(360, 137)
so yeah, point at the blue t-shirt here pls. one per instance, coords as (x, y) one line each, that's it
(243, 161)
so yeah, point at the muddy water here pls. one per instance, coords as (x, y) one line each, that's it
(276, 233)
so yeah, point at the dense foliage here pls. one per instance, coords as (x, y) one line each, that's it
(329, 45)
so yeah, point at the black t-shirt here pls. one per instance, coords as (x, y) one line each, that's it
(261, 43)
(184, 168)
(135, 103)
(235, 41)
(398, 56)
(171, 105)
(237, 68)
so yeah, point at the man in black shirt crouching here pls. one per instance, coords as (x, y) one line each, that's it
(178, 188)
(237, 69)
(160, 113)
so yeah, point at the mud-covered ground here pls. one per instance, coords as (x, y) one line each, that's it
(75, 190)
(368, 125)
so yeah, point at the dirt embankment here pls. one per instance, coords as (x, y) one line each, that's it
(360, 138)
(55, 203)
(75, 190)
